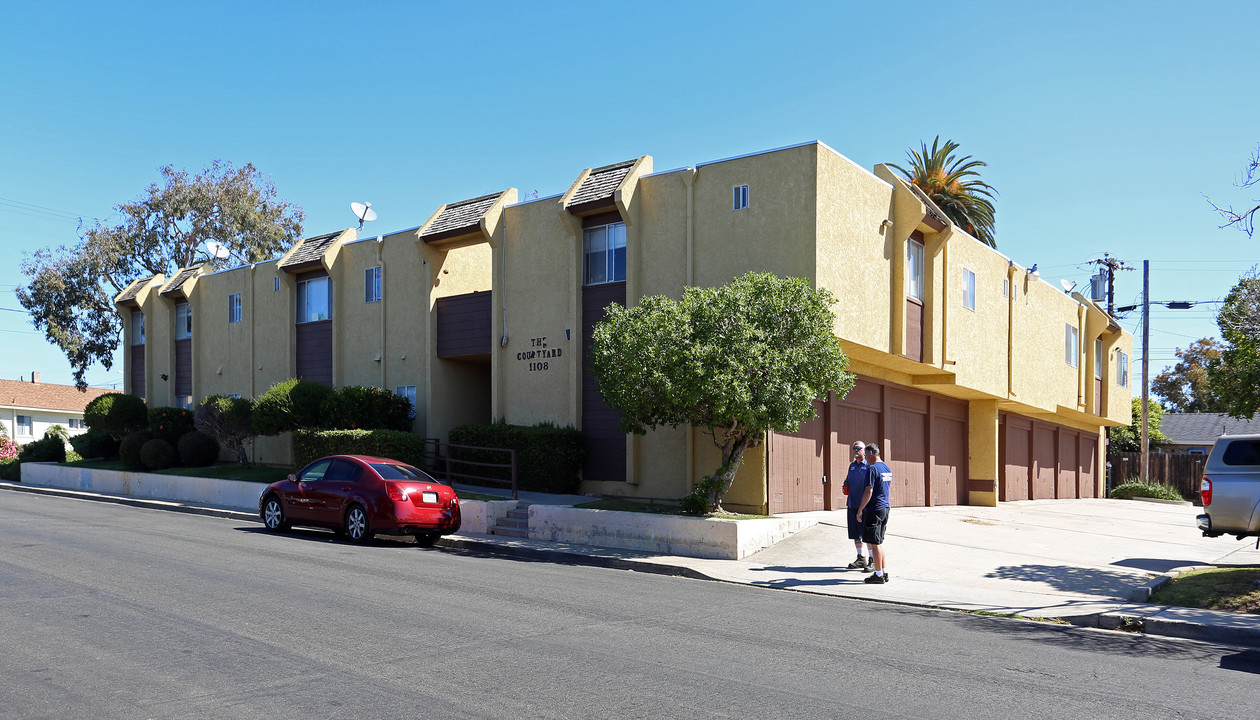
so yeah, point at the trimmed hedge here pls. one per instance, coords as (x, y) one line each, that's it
(290, 405)
(157, 454)
(95, 444)
(129, 449)
(116, 414)
(197, 449)
(11, 470)
(309, 445)
(50, 449)
(170, 423)
(355, 407)
(548, 457)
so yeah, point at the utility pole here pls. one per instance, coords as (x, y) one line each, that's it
(1112, 265)
(1146, 361)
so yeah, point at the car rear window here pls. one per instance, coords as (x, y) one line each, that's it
(1243, 452)
(399, 472)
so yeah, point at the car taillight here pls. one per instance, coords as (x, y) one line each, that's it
(1205, 492)
(395, 492)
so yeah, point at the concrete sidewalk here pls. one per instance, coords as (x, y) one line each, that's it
(1091, 562)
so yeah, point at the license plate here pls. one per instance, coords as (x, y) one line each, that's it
(429, 496)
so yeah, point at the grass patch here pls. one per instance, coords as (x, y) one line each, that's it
(1136, 488)
(257, 473)
(1034, 618)
(1233, 589)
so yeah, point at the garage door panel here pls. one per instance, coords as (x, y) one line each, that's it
(949, 438)
(1043, 469)
(1066, 485)
(797, 467)
(1088, 467)
(906, 455)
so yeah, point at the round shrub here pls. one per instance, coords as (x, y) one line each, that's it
(354, 407)
(289, 405)
(50, 449)
(116, 414)
(95, 444)
(170, 424)
(157, 454)
(197, 449)
(129, 449)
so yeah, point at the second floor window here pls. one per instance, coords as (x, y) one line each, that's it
(968, 289)
(914, 269)
(1098, 358)
(739, 197)
(1071, 345)
(183, 321)
(314, 300)
(234, 308)
(372, 285)
(1123, 364)
(137, 328)
(604, 254)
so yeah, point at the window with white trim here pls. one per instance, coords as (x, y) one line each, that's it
(372, 285)
(739, 197)
(1098, 358)
(604, 254)
(1122, 365)
(76, 424)
(25, 427)
(914, 269)
(234, 308)
(314, 300)
(137, 327)
(1071, 345)
(183, 321)
(968, 289)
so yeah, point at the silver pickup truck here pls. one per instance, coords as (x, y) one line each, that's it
(1231, 488)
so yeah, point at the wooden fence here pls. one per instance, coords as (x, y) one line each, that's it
(1182, 471)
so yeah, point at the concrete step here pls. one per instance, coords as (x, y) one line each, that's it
(518, 514)
(509, 522)
(509, 532)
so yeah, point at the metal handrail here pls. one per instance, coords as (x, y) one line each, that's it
(441, 457)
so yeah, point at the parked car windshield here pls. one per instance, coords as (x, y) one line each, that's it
(390, 471)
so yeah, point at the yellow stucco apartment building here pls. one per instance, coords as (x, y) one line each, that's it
(980, 381)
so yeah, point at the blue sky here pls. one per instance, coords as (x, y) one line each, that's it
(1104, 125)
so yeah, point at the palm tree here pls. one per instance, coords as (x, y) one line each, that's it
(955, 187)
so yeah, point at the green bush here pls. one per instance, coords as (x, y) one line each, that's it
(1136, 488)
(170, 424)
(197, 449)
(50, 449)
(57, 431)
(129, 449)
(311, 445)
(548, 457)
(116, 414)
(699, 500)
(158, 454)
(95, 444)
(354, 407)
(11, 470)
(290, 405)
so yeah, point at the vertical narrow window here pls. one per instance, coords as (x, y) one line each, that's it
(314, 300)
(234, 308)
(1098, 358)
(1071, 346)
(372, 285)
(183, 321)
(968, 289)
(409, 392)
(914, 269)
(1123, 374)
(739, 197)
(25, 428)
(1006, 287)
(137, 328)
(276, 285)
(604, 254)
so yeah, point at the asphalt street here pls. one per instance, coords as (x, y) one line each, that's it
(110, 611)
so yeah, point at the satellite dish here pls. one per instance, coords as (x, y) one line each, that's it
(1067, 286)
(364, 212)
(217, 250)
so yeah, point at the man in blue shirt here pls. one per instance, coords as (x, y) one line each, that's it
(873, 511)
(854, 485)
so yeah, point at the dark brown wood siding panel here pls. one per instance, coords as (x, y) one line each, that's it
(607, 218)
(183, 367)
(1098, 408)
(914, 330)
(463, 324)
(314, 351)
(797, 465)
(137, 370)
(605, 441)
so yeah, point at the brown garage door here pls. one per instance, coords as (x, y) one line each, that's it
(796, 466)
(1065, 485)
(1089, 461)
(1045, 446)
(1016, 435)
(1061, 463)
(946, 482)
(906, 449)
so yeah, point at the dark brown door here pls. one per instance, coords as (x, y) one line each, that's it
(949, 456)
(1089, 461)
(906, 455)
(1044, 452)
(1017, 458)
(1068, 464)
(605, 441)
(797, 464)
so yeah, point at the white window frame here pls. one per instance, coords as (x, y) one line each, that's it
(1098, 358)
(24, 429)
(183, 321)
(372, 284)
(1123, 364)
(968, 289)
(234, 308)
(613, 239)
(75, 424)
(303, 300)
(137, 327)
(1071, 345)
(409, 392)
(914, 269)
(739, 197)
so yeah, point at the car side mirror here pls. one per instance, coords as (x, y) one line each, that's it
(293, 477)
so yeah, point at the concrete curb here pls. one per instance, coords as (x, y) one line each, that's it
(168, 505)
(484, 547)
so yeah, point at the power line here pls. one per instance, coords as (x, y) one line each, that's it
(26, 208)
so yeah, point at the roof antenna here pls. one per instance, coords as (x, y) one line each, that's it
(364, 212)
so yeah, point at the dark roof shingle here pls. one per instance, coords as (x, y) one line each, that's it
(601, 183)
(130, 292)
(176, 284)
(1204, 428)
(310, 250)
(463, 215)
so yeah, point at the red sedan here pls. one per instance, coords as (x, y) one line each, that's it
(361, 496)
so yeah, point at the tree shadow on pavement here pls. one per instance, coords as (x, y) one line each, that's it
(1157, 565)
(1086, 581)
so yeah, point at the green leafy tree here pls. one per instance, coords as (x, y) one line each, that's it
(70, 290)
(954, 184)
(1129, 437)
(737, 360)
(1185, 387)
(1235, 376)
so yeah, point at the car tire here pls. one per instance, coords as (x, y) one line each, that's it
(272, 514)
(357, 528)
(426, 539)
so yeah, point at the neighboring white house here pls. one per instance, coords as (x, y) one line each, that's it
(28, 409)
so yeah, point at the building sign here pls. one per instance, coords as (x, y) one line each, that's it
(539, 354)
